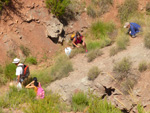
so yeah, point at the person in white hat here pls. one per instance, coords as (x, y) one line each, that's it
(133, 28)
(19, 69)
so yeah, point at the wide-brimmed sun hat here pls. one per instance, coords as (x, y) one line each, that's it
(16, 60)
(126, 24)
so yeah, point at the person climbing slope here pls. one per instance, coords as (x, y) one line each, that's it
(79, 39)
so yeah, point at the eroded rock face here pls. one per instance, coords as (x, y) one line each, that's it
(53, 28)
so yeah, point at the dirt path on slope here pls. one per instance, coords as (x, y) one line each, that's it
(78, 78)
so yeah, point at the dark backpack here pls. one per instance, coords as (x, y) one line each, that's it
(26, 71)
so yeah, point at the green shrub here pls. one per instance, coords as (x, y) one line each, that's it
(127, 9)
(9, 71)
(91, 12)
(100, 30)
(97, 44)
(79, 101)
(93, 73)
(147, 40)
(142, 66)
(57, 7)
(93, 54)
(61, 68)
(122, 68)
(148, 8)
(50, 104)
(25, 50)
(101, 106)
(31, 60)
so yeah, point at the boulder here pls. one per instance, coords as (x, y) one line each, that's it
(54, 28)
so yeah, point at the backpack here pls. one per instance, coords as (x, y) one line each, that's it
(72, 37)
(26, 71)
(40, 92)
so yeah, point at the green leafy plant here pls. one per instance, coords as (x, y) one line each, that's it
(142, 66)
(93, 54)
(79, 101)
(127, 9)
(93, 73)
(25, 50)
(31, 60)
(57, 7)
(140, 108)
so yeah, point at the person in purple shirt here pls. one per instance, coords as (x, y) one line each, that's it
(133, 28)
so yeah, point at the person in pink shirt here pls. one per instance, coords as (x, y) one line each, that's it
(79, 39)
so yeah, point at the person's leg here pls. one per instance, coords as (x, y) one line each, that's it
(84, 46)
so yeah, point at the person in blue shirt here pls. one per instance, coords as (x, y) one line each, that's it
(133, 28)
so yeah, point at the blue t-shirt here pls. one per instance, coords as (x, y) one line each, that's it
(134, 28)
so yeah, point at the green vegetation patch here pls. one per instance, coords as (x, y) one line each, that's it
(25, 50)
(57, 7)
(143, 66)
(9, 71)
(31, 60)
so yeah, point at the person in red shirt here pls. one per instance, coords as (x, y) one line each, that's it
(79, 39)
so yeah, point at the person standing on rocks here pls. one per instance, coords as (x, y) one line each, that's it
(79, 39)
(133, 29)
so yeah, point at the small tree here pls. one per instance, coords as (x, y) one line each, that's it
(57, 7)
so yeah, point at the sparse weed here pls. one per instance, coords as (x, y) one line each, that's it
(91, 12)
(93, 54)
(147, 40)
(148, 8)
(79, 101)
(127, 9)
(140, 108)
(122, 68)
(4, 3)
(76, 51)
(61, 68)
(122, 42)
(113, 51)
(11, 54)
(142, 66)
(25, 50)
(93, 73)
(127, 85)
(31, 60)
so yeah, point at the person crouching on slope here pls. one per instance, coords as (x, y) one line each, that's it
(79, 39)
(133, 29)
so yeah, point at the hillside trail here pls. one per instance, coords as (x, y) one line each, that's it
(78, 80)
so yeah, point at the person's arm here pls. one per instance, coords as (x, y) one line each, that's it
(73, 42)
(30, 85)
(18, 78)
(83, 38)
